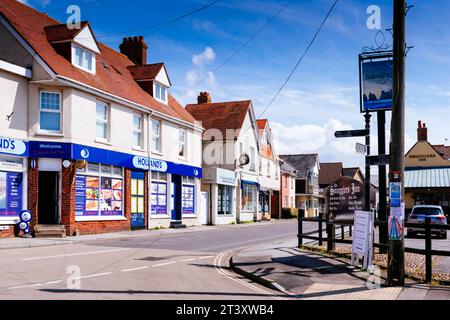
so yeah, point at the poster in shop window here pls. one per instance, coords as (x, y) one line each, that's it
(10, 194)
(187, 198)
(158, 198)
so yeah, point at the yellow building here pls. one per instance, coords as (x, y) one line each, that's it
(427, 173)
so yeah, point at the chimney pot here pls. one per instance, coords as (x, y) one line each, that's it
(135, 49)
(422, 132)
(203, 98)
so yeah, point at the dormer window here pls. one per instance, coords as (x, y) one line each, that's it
(160, 92)
(83, 58)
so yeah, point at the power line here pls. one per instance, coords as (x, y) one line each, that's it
(161, 25)
(246, 43)
(300, 60)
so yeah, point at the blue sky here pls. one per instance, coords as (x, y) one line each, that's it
(322, 96)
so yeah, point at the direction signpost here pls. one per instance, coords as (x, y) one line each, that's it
(381, 160)
(361, 148)
(351, 133)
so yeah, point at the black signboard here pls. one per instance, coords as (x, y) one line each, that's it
(351, 133)
(382, 160)
(344, 197)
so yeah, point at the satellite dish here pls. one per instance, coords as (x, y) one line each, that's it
(244, 159)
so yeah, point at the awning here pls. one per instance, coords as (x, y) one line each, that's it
(427, 178)
(252, 183)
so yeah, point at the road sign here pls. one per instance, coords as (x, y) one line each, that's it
(382, 160)
(351, 133)
(361, 148)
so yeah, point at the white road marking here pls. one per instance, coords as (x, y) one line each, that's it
(187, 260)
(134, 269)
(94, 275)
(201, 258)
(218, 266)
(163, 264)
(74, 254)
(54, 282)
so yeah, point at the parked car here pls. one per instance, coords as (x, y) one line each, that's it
(418, 215)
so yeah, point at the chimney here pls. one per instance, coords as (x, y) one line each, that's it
(135, 49)
(422, 132)
(204, 97)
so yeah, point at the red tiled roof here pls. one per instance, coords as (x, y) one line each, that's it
(118, 81)
(145, 72)
(330, 172)
(60, 32)
(261, 123)
(443, 150)
(220, 116)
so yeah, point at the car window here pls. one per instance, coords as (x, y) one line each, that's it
(427, 211)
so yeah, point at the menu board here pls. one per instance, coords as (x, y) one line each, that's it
(159, 198)
(10, 194)
(187, 199)
(96, 196)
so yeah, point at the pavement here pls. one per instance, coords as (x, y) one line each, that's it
(314, 276)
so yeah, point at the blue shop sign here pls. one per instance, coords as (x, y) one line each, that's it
(45, 149)
(14, 147)
(175, 168)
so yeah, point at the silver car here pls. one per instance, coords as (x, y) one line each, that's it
(418, 215)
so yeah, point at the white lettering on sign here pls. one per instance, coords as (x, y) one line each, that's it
(12, 146)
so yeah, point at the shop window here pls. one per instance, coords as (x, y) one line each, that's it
(158, 196)
(225, 196)
(50, 111)
(188, 195)
(99, 193)
(249, 195)
(137, 200)
(10, 194)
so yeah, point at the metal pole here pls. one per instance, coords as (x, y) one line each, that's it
(396, 255)
(367, 116)
(428, 247)
(382, 211)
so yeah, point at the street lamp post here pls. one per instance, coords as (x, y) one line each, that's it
(396, 263)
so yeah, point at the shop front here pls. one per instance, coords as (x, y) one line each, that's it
(249, 197)
(264, 203)
(220, 184)
(174, 194)
(13, 183)
(85, 189)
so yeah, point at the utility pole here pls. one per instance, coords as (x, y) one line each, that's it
(367, 116)
(382, 210)
(396, 254)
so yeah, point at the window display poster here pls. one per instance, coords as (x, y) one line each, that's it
(159, 198)
(10, 194)
(94, 195)
(187, 198)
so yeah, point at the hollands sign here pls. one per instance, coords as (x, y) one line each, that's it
(344, 197)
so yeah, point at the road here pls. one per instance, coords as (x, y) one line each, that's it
(175, 266)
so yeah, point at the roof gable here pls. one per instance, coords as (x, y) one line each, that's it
(85, 38)
(423, 154)
(303, 163)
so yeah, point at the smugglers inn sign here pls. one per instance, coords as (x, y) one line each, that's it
(344, 197)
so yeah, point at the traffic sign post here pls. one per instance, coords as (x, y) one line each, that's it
(361, 148)
(352, 133)
(381, 160)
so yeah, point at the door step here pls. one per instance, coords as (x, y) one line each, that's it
(50, 231)
(177, 225)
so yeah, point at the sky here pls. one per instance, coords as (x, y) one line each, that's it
(204, 52)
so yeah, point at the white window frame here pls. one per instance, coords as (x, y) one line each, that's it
(50, 111)
(103, 121)
(184, 143)
(152, 147)
(138, 130)
(157, 87)
(252, 159)
(83, 52)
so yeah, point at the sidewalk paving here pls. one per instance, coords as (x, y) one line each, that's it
(315, 276)
(19, 243)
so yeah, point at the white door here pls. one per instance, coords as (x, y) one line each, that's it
(204, 214)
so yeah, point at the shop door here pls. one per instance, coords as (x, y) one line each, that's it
(48, 205)
(204, 208)
(137, 200)
(175, 194)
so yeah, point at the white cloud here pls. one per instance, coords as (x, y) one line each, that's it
(208, 55)
(24, 2)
